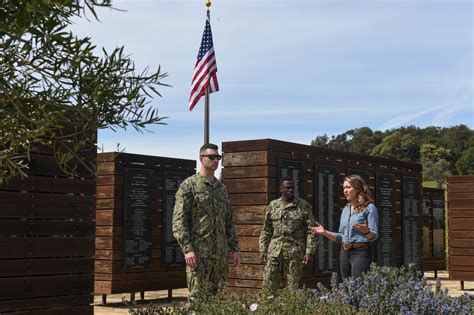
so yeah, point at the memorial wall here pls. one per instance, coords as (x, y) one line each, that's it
(252, 169)
(135, 249)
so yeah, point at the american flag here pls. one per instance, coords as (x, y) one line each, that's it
(205, 68)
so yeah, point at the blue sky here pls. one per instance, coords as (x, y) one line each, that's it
(293, 70)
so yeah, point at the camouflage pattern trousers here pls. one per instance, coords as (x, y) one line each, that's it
(280, 266)
(208, 277)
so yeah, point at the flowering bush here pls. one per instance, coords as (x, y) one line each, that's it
(382, 290)
(394, 290)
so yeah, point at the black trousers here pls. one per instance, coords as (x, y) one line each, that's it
(355, 262)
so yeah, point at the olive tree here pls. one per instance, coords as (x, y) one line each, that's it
(57, 89)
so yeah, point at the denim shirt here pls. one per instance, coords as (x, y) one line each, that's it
(347, 234)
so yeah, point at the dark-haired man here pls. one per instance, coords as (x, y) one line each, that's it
(285, 244)
(204, 227)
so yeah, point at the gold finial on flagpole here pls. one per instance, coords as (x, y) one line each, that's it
(208, 3)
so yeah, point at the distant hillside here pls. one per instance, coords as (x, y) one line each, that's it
(441, 151)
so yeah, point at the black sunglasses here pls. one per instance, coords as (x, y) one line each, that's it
(213, 157)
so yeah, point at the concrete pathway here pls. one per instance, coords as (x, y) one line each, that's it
(115, 303)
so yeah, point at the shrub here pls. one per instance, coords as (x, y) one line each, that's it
(395, 290)
(382, 290)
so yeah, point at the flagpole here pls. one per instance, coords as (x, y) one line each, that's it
(206, 117)
(206, 99)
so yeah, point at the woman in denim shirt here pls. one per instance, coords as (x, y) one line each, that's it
(358, 227)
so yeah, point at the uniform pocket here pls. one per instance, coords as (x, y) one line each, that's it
(202, 199)
(296, 218)
(275, 216)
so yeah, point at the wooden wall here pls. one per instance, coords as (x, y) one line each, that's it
(461, 227)
(434, 236)
(250, 174)
(47, 233)
(110, 275)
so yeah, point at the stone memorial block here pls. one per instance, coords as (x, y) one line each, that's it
(411, 225)
(385, 201)
(171, 252)
(327, 212)
(437, 205)
(137, 226)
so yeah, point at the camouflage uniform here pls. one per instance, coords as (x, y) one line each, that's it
(286, 241)
(203, 223)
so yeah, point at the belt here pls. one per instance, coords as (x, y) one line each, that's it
(349, 246)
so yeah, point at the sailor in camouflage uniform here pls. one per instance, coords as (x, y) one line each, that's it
(285, 244)
(204, 227)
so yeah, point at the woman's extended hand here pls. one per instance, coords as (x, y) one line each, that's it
(317, 228)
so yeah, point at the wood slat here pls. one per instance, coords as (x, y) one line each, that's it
(252, 272)
(109, 192)
(251, 199)
(432, 265)
(46, 206)
(248, 230)
(80, 310)
(164, 275)
(250, 185)
(109, 287)
(160, 163)
(110, 180)
(460, 195)
(115, 217)
(104, 242)
(245, 283)
(33, 267)
(250, 258)
(45, 302)
(252, 158)
(461, 187)
(249, 214)
(461, 223)
(461, 204)
(465, 213)
(469, 268)
(31, 247)
(248, 243)
(461, 260)
(21, 287)
(461, 179)
(116, 267)
(109, 204)
(46, 228)
(461, 275)
(453, 234)
(108, 167)
(109, 230)
(117, 254)
(87, 153)
(45, 165)
(461, 242)
(249, 172)
(51, 185)
(462, 252)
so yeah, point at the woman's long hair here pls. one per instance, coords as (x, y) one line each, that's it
(365, 196)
